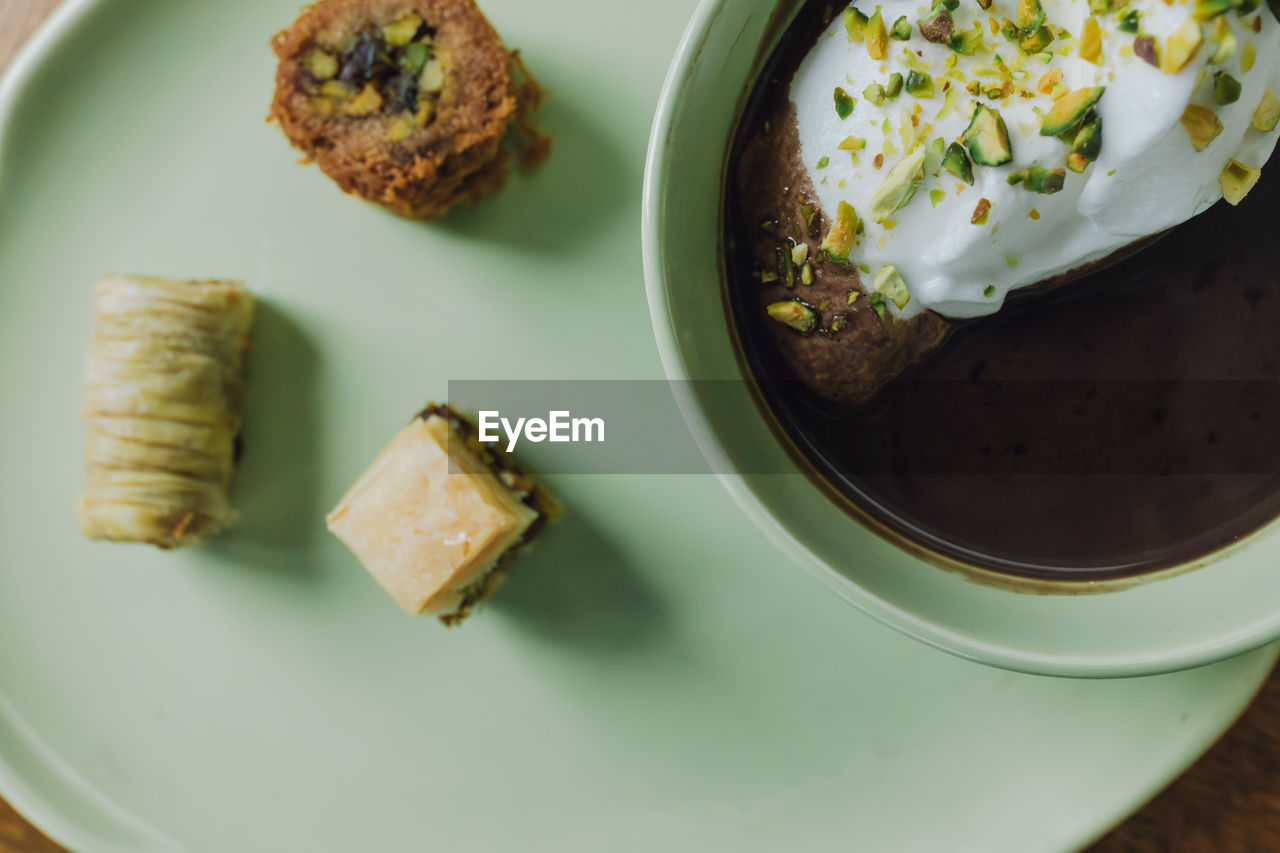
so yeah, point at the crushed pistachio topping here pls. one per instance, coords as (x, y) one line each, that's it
(888, 282)
(1226, 89)
(844, 103)
(1144, 47)
(1267, 113)
(989, 291)
(1181, 47)
(855, 24)
(1202, 125)
(877, 304)
(938, 27)
(980, 212)
(956, 162)
(936, 196)
(1011, 260)
(1130, 22)
(793, 313)
(1031, 16)
(919, 85)
(876, 37)
(839, 240)
(823, 161)
(1224, 41)
(898, 187)
(1236, 181)
(987, 138)
(901, 29)
(1248, 56)
(1039, 180)
(1069, 110)
(1091, 42)
(1206, 10)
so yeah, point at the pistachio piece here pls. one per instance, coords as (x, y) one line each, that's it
(874, 94)
(401, 127)
(1099, 7)
(1030, 16)
(1207, 10)
(898, 186)
(1129, 22)
(1039, 180)
(901, 29)
(1181, 47)
(1226, 89)
(319, 64)
(855, 24)
(876, 37)
(938, 28)
(1086, 145)
(1144, 47)
(852, 143)
(1069, 110)
(987, 138)
(1236, 181)
(980, 212)
(1267, 114)
(894, 87)
(795, 314)
(336, 89)
(844, 103)
(1091, 41)
(1248, 56)
(919, 85)
(1224, 41)
(839, 240)
(1201, 124)
(426, 109)
(323, 106)
(1035, 42)
(401, 31)
(369, 101)
(956, 161)
(414, 59)
(432, 78)
(966, 43)
(800, 254)
(888, 282)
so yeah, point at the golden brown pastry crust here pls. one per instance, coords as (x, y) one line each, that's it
(162, 408)
(458, 156)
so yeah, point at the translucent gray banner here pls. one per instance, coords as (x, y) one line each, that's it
(1158, 428)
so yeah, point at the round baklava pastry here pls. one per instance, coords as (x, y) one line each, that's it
(404, 103)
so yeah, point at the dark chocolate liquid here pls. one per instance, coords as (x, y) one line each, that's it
(1123, 423)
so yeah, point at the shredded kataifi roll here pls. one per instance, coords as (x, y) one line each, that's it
(163, 403)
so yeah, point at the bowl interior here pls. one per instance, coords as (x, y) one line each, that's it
(1162, 623)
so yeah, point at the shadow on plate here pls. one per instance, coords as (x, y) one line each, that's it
(580, 188)
(276, 484)
(575, 588)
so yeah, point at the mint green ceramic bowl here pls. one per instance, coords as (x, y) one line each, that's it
(1172, 620)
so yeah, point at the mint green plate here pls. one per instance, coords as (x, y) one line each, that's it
(654, 676)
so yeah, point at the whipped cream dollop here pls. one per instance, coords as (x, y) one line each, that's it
(1147, 176)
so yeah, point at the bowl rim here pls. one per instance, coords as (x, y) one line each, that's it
(1185, 655)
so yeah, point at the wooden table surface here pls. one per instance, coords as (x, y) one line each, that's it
(1229, 802)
